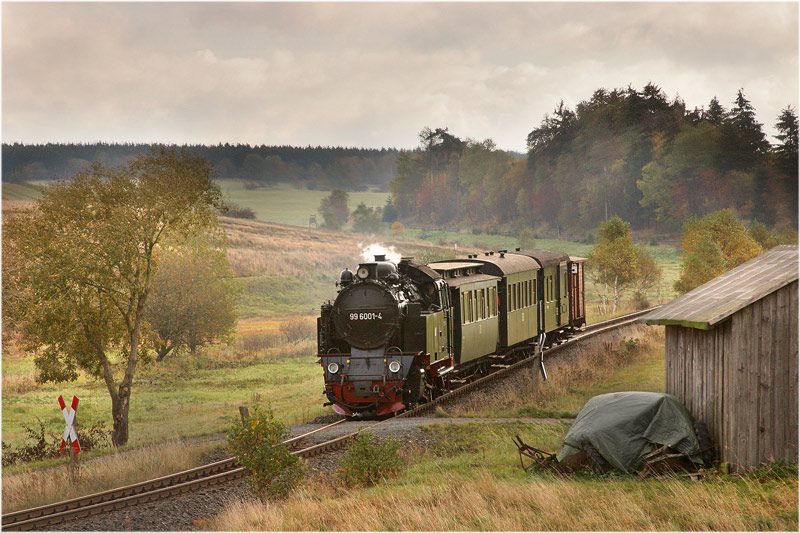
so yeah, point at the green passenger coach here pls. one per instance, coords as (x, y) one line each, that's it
(475, 312)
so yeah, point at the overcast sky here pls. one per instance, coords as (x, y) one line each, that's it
(371, 75)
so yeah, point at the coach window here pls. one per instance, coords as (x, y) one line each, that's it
(471, 306)
(514, 297)
(473, 302)
(527, 293)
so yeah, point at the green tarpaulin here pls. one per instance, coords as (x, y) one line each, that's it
(626, 426)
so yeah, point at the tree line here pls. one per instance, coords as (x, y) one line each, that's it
(625, 152)
(325, 168)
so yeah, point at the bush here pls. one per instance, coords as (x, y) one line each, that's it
(640, 300)
(43, 446)
(367, 460)
(237, 211)
(257, 444)
(398, 229)
(297, 329)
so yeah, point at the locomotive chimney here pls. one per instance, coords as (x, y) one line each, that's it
(380, 257)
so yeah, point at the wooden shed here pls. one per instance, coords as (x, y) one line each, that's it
(731, 358)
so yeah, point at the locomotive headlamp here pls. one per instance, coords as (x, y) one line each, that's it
(362, 272)
(333, 368)
(394, 366)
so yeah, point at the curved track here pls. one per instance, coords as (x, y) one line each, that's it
(227, 470)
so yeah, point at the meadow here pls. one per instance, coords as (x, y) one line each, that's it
(469, 477)
(286, 272)
(287, 205)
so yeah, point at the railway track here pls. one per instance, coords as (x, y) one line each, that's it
(227, 470)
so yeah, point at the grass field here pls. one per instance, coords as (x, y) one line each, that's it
(179, 397)
(15, 192)
(285, 271)
(470, 479)
(287, 205)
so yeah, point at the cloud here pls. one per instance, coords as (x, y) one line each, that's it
(370, 74)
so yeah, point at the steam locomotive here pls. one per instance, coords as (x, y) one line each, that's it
(402, 333)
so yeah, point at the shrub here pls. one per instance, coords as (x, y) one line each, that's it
(256, 343)
(640, 300)
(46, 446)
(398, 229)
(297, 329)
(257, 444)
(237, 211)
(367, 460)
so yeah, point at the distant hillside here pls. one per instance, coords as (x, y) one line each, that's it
(352, 169)
(24, 192)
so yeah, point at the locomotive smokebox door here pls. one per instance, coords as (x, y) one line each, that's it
(366, 315)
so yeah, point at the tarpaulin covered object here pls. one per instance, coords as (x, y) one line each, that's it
(626, 426)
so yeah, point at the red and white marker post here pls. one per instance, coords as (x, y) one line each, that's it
(69, 417)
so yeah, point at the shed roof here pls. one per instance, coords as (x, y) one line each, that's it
(711, 303)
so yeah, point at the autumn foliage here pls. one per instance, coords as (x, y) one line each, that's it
(711, 246)
(627, 152)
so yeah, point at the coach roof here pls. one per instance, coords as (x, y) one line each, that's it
(501, 264)
(546, 258)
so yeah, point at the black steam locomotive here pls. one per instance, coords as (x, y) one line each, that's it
(399, 334)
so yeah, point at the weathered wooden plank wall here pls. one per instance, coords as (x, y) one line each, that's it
(741, 379)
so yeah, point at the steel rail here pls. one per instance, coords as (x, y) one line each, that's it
(226, 470)
(83, 506)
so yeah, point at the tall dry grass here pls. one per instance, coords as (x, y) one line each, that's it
(19, 383)
(486, 503)
(33, 488)
(574, 368)
(258, 248)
